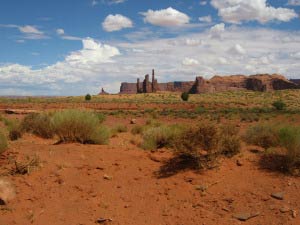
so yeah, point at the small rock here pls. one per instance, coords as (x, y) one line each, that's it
(265, 199)
(278, 195)
(201, 187)
(294, 213)
(225, 209)
(107, 177)
(239, 163)
(245, 216)
(133, 121)
(242, 216)
(103, 220)
(284, 209)
(7, 191)
(189, 179)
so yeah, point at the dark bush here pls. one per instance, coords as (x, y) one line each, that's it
(88, 97)
(279, 105)
(185, 96)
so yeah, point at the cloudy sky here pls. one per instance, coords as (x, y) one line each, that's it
(74, 47)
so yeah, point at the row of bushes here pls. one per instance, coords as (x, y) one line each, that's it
(69, 126)
(282, 137)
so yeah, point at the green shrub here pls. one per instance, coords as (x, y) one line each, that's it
(200, 110)
(88, 97)
(38, 124)
(3, 143)
(194, 139)
(185, 96)
(137, 129)
(14, 129)
(279, 105)
(79, 126)
(121, 128)
(159, 137)
(101, 117)
(263, 135)
(229, 141)
(289, 138)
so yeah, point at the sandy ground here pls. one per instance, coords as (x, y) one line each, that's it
(78, 184)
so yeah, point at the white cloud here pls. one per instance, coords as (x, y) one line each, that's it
(94, 2)
(294, 2)
(64, 36)
(193, 42)
(117, 1)
(237, 50)
(60, 31)
(166, 17)
(217, 30)
(295, 55)
(236, 11)
(203, 2)
(255, 50)
(206, 19)
(189, 62)
(116, 22)
(29, 31)
(78, 68)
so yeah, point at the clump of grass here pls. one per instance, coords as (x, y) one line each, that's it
(121, 128)
(289, 138)
(159, 137)
(27, 166)
(3, 143)
(153, 123)
(202, 136)
(205, 142)
(229, 141)
(137, 129)
(14, 128)
(263, 135)
(38, 124)
(101, 117)
(79, 126)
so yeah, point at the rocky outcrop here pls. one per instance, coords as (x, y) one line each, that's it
(102, 92)
(258, 82)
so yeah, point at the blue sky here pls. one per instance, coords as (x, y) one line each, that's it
(74, 47)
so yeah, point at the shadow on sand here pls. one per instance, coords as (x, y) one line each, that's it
(177, 164)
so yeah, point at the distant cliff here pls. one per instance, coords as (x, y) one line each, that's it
(258, 82)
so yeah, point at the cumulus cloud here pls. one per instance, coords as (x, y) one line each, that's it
(217, 30)
(96, 65)
(203, 2)
(294, 2)
(78, 68)
(116, 22)
(189, 62)
(166, 17)
(193, 42)
(206, 19)
(237, 50)
(236, 11)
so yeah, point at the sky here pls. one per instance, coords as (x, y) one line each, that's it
(75, 47)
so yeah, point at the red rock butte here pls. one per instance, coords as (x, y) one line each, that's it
(258, 82)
